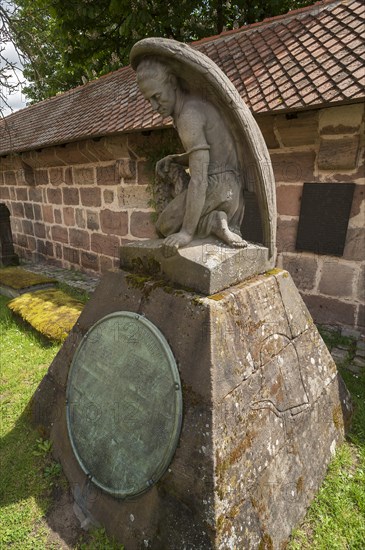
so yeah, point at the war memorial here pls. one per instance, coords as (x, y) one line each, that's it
(194, 405)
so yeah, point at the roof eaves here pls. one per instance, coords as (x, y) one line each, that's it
(292, 14)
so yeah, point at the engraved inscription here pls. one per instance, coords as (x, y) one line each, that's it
(124, 404)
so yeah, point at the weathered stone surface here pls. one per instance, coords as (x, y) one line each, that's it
(302, 268)
(107, 175)
(21, 193)
(69, 216)
(360, 291)
(338, 154)
(90, 260)
(105, 244)
(266, 125)
(84, 175)
(336, 279)
(56, 175)
(329, 310)
(71, 255)
(54, 196)
(355, 244)
(206, 266)
(293, 167)
(141, 225)
(339, 355)
(60, 234)
(288, 199)
(114, 223)
(5, 193)
(90, 196)
(287, 234)
(341, 120)
(108, 148)
(133, 196)
(41, 177)
(70, 195)
(108, 196)
(92, 220)
(69, 154)
(79, 238)
(57, 216)
(360, 320)
(302, 130)
(35, 194)
(264, 410)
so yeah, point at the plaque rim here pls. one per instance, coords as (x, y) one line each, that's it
(175, 432)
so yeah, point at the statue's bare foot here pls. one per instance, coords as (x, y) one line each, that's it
(222, 231)
(175, 241)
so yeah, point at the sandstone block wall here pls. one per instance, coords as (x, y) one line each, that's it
(74, 205)
(324, 146)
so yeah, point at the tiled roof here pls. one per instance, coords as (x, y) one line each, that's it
(304, 59)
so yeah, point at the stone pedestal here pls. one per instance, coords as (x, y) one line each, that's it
(206, 266)
(264, 411)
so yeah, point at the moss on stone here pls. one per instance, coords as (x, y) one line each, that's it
(18, 278)
(216, 297)
(137, 281)
(337, 416)
(266, 542)
(51, 312)
(274, 271)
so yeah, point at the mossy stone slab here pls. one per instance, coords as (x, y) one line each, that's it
(15, 281)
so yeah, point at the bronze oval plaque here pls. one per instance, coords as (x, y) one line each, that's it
(124, 404)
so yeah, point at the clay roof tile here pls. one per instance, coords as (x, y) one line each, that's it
(301, 59)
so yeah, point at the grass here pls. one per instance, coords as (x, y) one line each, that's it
(336, 518)
(29, 475)
(24, 496)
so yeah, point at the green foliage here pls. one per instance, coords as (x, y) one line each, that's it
(24, 493)
(333, 339)
(79, 295)
(51, 312)
(43, 447)
(98, 540)
(68, 43)
(52, 472)
(29, 476)
(336, 518)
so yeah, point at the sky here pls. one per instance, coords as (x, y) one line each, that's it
(15, 100)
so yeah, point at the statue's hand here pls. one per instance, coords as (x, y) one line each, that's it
(163, 166)
(175, 241)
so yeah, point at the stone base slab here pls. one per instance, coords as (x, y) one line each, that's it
(264, 410)
(206, 266)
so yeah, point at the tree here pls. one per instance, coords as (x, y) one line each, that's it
(73, 42)
(9, 79)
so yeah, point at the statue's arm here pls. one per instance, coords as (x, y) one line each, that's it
(163, 165)
(192, 134)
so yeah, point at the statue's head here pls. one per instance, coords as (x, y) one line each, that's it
(158, 85)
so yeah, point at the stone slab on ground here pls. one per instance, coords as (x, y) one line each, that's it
(15, 281)
(206, 266)
(264, 409)
(80, 281)
(13, 292)
(340, 355)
